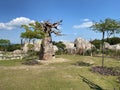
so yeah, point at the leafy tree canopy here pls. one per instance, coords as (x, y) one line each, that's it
(59, 44)
(110, 26)
(4, 42)
(113, 40)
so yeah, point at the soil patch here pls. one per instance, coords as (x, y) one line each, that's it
(114, 71)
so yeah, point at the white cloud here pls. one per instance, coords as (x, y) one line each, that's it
(15, 23)
(86, 20)
(86, 24)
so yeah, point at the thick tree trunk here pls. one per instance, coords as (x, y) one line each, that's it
(46, 51)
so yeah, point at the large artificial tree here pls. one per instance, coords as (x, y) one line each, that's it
(42, 30)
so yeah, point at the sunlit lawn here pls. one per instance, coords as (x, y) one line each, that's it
(56, 76)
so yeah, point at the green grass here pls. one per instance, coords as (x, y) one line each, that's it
(56, 76)
(10, 62)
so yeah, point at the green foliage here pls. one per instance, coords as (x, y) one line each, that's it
(113, 40)
(40, 30)
(81, 63)
(61, 47)
(13, 47)
(109, 26)
(10, 47)
(31, 55)
(30, 46)
(97, 43)
(59, 44)
(4, 42)
(33, 30)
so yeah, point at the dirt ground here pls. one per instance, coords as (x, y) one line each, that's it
(43, 63)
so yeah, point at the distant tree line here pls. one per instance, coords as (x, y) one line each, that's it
(5, 45)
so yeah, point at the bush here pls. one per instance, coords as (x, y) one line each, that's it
(82, 64)
(30, 46)
(61, 47)
(97, 43)
(13, 47)
(113, 40)
(88, 52)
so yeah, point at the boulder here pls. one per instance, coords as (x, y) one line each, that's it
(70, 47)
(17, 51)
(112, 47)
(37, 46)
(25, 47)
(55, 48)
(82, 45)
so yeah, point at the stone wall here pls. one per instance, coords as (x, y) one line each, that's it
(17, 54)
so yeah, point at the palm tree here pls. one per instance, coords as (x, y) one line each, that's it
(109, 26)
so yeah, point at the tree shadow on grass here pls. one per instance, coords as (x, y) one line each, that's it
(91, 84)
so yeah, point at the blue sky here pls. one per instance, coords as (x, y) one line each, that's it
(77, 16)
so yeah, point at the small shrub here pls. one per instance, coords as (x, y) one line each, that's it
(82, 64)
(30, 46)
(31, 62)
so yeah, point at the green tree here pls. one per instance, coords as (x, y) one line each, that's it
(97, 43)
(109, 26)
(113, 40)
(13, 47)
(113, 27)
(30, 33)
(4, 43)
(61, 47)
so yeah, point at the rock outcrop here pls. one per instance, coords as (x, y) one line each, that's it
(17, 51)
(55, 48)
(82, 45)
(112, 47)
(36, 45)
(79, 46)
(70, 47)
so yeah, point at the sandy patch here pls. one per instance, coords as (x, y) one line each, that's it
(55, 60)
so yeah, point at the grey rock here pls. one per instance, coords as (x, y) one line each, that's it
(112, 47)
